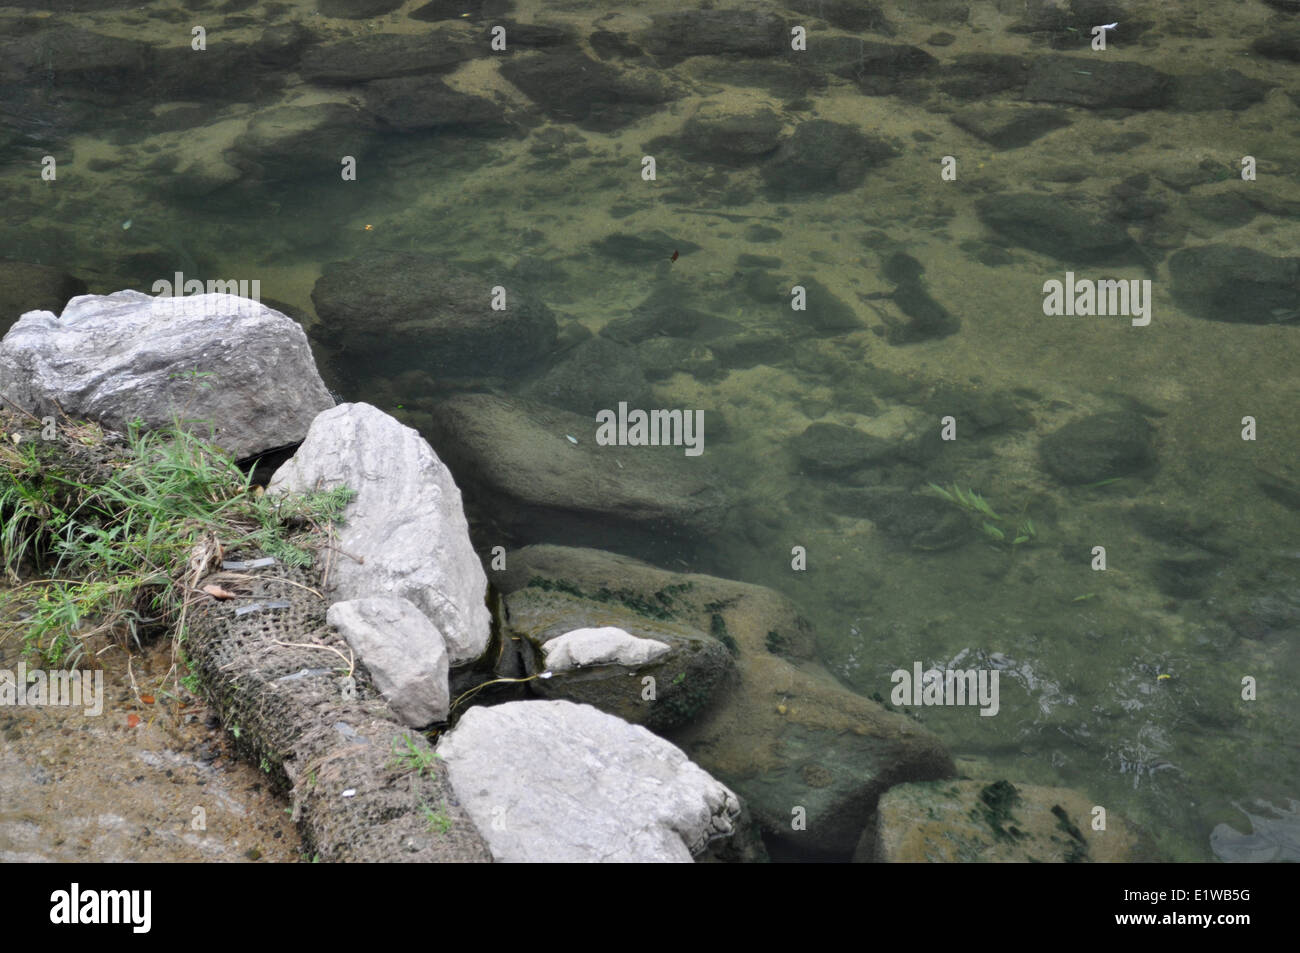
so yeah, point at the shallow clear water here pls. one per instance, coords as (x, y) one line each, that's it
(1126, 683)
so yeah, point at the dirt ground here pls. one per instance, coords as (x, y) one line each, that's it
(138, 782)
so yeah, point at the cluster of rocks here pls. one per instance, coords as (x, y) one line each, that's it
(721, 672)
(411, 595)
(660, 716)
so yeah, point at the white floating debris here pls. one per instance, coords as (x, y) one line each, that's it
(350, 792)
(126, 224)
(573, 440)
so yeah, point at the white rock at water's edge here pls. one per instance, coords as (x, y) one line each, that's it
(403, 652)
(405, 534)
(559, 782)
(606, 645)
(236, 371)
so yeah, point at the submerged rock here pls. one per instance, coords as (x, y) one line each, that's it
(458, 9)
(1218, 89)
(1044, 223)
(1099, 447)
(358, 9)
(916, 520)
(26, 286)
(1096, 84)
(661, 358)
(1237, 285)
(782, 733)
(387, 55)
(823, 156)
(829, 448)
(677, 35)
(517, 460)
(1280, 45)
(823, 312)
(978, 822)
(689, 599)
(598, 372)
(93, 65)
(795, 744)
(408, 103)
(280, 142)
(555, 782)
(979, 75)
(879, 69)
(405, 534)
(1010, 127)
(853, 15)
(392, 312)
(234, 369)
(569, 86)
(733, 139)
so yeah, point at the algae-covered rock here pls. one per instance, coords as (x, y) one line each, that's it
(731, 612)
(539, 470)
(808, 757)
(662, 692)
(393, 312)
(1074, 233)
(999, 822)
(1099, 447)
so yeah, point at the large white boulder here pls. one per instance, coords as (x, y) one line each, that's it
(405, 534)
(559, 782)
(235, 370)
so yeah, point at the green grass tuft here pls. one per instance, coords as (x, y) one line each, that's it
(112, 542)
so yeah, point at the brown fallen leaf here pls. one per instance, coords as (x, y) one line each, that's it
(216, 592)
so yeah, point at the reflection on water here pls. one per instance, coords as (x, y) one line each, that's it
(824, 170)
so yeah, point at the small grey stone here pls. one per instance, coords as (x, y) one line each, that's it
(403, 652)
(606, 645)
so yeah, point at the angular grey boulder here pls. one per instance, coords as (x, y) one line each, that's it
(558, 782)
(404, 653)
(236, 371)
(405, 533)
